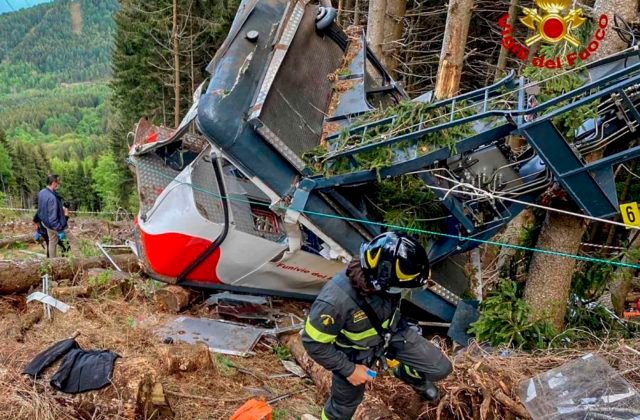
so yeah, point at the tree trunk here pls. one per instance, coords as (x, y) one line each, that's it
(176, 65)
(375, 26)
(549, 283)
(370, 408)
(627, 9)
(19, 276)
(452, 54)
(21, 239)
(512, 235)
(504, 52)
(393, 31)
(623, 278)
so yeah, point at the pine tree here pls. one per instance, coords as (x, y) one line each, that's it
(143, 63)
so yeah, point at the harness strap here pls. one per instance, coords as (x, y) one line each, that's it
(362, 303)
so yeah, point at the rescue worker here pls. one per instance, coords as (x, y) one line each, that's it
(355, 323)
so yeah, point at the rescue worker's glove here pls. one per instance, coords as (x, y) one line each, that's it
(394, 260)
(37, 237)
(61, 235)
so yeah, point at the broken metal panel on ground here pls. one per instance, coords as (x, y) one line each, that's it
(585, 388)
(220, 336)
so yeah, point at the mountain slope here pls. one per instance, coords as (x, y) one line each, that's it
(70, 40)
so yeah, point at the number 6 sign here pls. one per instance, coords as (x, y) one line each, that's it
(630, 214)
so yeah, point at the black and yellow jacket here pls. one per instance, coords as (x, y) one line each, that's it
(337, 325)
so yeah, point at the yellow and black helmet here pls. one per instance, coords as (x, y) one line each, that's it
(394, 260)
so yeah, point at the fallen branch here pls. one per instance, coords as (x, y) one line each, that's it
(19, 276)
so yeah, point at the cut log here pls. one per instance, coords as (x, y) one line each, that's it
(173, 298)
(371, 408)
(19, 276)
(136, 383)
(186, 357)
(70, 292)
(21, 239)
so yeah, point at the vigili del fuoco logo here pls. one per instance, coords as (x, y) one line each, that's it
(553, 23)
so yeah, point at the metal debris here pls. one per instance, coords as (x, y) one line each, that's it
(106, 254)
(234, 297)
(49, 302)
(220, 336)
(294, 368)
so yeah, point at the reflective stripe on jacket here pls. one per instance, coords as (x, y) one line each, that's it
(336, 322)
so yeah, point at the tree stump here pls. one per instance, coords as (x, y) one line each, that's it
(136, 384)
(173, 298)
(186, 357)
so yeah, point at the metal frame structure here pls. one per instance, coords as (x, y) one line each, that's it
(266, 102)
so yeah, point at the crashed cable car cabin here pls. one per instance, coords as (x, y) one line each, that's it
(227, 202)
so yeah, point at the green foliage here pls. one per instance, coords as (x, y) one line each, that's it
(404, 117)
(504, 320)
(107, 181)
(282, 352)
(52, 111)
(407, 201)
(143, 46)
(44, 40)
(87, 248)
(590, 280)
(101, 280)
(586, 321)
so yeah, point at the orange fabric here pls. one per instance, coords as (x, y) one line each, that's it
(253, 410)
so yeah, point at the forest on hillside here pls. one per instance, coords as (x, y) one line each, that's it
(55, 63)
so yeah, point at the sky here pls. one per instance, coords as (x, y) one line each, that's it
(11, 5)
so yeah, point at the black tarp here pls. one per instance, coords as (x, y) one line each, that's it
(80, 370)
(49, 356)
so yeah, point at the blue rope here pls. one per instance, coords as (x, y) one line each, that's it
(403, 228)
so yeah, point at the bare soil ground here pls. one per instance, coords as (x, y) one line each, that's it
(125, 325)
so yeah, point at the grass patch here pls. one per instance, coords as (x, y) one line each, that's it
(280, 414)
(88, 248)
(224, 365)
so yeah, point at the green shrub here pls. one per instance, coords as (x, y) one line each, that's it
(504, 319)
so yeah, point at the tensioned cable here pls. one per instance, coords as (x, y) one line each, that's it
(394, 227)
(487, 194)
(475, 105)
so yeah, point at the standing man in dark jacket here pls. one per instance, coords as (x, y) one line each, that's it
(355, 324)
(51, 213)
